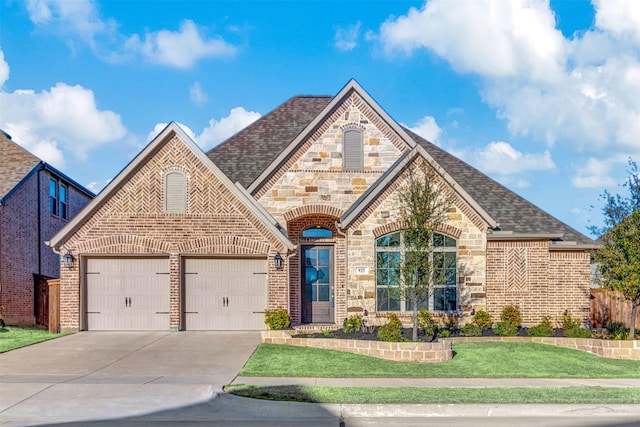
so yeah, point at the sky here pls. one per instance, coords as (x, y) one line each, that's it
(542, 96)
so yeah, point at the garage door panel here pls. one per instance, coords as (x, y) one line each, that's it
(225, 293)
(127, 294)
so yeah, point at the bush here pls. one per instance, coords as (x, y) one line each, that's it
(352, 324)
(505, 329)
(569, 322)
(392, 330)
(618, 331)
(483, 319)
(277, 319)
(471, 330)
(426, 323)
(511, 315)
(578, 332)
(544, 329)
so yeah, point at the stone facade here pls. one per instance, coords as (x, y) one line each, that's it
(25, 260)
(133, 221)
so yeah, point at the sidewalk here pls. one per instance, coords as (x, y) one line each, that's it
(440, 382)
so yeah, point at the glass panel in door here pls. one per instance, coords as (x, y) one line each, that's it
(317, 278)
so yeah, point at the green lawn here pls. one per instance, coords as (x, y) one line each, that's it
(12, 337)
(471, 360)
(506, 395)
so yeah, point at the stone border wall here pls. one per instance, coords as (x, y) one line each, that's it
(608, 349)
(394, 351)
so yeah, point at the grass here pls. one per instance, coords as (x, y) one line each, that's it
(413, 395)
(12, 337)
(471, 360)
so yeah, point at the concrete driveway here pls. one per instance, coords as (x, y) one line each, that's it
(92, 376)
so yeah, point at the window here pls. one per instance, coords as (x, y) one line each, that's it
(391, 250)
(53, 197)
(58, 199)
(317, 233)
(352, 150)
(175, 193)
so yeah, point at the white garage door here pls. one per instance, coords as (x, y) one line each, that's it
(225, 293)
(127, 294)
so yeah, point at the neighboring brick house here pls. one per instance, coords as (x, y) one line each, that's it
(36, 201)
(309, 225)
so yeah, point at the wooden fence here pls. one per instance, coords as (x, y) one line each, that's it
(54, 305)
(606, 307)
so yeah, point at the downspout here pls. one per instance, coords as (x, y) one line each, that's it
(346, 266)
(39, 226)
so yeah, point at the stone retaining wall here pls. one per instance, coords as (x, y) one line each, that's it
(394, 351)
(608, 349)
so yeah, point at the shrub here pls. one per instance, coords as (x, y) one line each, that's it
(578, 332)
(471, 330)
(426, 323)
(544, 329)
(505, 329)
(483, 319)
(352, 324)
(450, 323)
(511, 315)
(392, 330)
(277, 319)
(618, 331)
(569, 322)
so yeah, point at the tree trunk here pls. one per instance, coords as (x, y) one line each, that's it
(634, 314)
(414, 335)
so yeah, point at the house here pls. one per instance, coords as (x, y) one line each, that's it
(300, 210)
(36, 201)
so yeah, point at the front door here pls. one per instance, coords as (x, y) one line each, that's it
(317, 284)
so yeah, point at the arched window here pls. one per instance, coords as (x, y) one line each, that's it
(352, 150)
(317, 233)
(175, 192)
(391, 251)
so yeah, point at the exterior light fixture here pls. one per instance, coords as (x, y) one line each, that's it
(68, 260)
(277, 261)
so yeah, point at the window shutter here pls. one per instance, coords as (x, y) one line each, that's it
(175, 193)
(352, 150)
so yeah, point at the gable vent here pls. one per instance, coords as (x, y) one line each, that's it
(353, 150)
(175, 193)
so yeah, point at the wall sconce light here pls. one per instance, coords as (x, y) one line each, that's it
(277, 261)
(68, 260)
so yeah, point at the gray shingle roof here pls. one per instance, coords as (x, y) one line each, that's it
(244, 156)
(15, 164)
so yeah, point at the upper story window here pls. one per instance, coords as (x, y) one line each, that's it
(317, 233)
(390, 253)
(352, 150)
(175, 192)
(58, 199)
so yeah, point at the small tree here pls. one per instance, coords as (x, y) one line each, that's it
(423, 209)
(619, 255)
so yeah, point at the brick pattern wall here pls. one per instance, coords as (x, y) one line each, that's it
(20, 256)
(541, 282)
(132, 221)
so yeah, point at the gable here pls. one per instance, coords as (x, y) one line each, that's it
(133, 203)
(15, 164)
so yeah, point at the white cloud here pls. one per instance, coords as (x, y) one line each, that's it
(81, 20)
(581, 92)
(346, 39)
(180, 49)
(64, 119)
(197, 95)
(4, 69)
(595, 174)
(428, 129)
(97, 186)
(494, 38)
(500, 157)
(219, 130)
